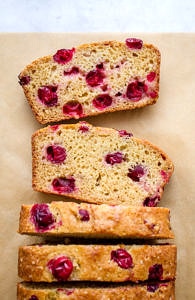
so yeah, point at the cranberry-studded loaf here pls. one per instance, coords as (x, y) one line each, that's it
(95, 221)
(152, 291)
(92, 79)
(115, 263)
(99, 165)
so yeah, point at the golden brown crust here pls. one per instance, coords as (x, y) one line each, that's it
(149, 61)
(164, 291)
(96, 181)
(94, 262)
(104, 221)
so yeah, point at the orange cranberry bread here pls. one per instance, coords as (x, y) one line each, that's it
(95, 221)
(111, 263)
(91, 79)
(152, 291)
(98, 165)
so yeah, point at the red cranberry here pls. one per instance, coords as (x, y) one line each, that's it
(84, 128)
(151, 76)
(67, 292)
(24, 80)
(118, 94)
(114, 158)
(60, 267)
(100, 66)
(153, 94)
(54, 127)
(136, 173)
(63, 56)
(64, 185)
(84, 215)
(134, 43)
(165, 175)
(155, 272)
(73, 108)
(151, 201)
(152, 287)
(95, 77)
(104, 87)
(102, 101)
(122, 258)
(73, 71)
(125, 133)
(47, 95)
(56, 154)
(33, 297)
(136, 90)
(42, 217)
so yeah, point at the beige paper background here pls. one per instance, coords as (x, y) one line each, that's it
(168, 124)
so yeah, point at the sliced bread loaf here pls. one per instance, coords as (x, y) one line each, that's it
(91, 79)
(95, 221)
(115, 263)
(98, 165)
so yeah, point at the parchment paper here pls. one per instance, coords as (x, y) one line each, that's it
(168, 124)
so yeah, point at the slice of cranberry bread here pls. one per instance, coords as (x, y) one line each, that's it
(115, 263)
(95, 221)
(91, 79)
(98, 165)
(152, 291)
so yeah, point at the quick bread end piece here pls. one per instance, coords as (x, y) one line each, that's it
(70, 219)
(98, 165)
(147, 291)
(91, 79)
(110, 263)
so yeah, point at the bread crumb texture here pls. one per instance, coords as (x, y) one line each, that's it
(92, 79)
(98, 165)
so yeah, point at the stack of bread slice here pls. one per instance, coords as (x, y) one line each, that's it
(115, 179)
